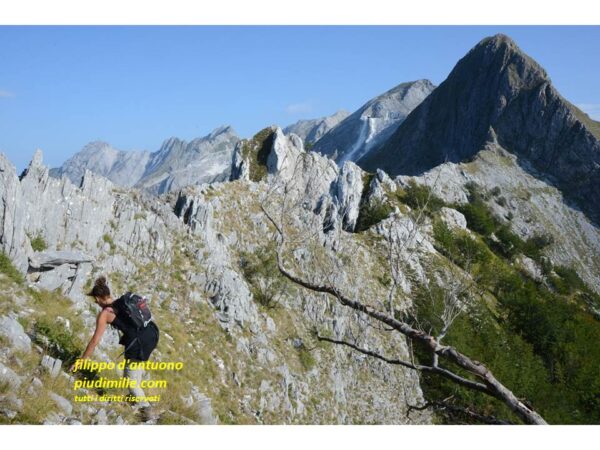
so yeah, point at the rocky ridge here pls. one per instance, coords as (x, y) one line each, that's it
(372, 123)
(312, 130)
(183, 250)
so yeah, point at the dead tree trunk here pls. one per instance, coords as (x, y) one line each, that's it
(486, 382)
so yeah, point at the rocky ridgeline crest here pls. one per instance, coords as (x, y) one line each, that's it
(98, 227)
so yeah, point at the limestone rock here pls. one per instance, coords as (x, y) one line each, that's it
(372, 123)
(453, 218)
(52, 365)
(54, 258)
(348, 193)
(62, 403)
(7, 375)
(14, 332)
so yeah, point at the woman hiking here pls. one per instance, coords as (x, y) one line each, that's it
(139, 334)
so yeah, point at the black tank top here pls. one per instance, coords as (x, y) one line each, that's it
(147, 338)
(123, 324)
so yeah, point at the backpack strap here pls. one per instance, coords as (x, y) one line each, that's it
(129, 346)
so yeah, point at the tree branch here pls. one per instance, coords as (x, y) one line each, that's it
(490, 420)
(431, 369)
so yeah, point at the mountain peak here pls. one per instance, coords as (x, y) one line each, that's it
(498, 86)
(500, 52)
(223, 129)
(498, 39)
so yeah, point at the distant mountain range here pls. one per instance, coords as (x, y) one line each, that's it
(124, 168)
(176, 164)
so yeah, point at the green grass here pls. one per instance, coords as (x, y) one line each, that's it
(38, 243)
(8, 269)
(420, 197)
(372, 214)
(262, 273)
(109, 240)
(307, 360)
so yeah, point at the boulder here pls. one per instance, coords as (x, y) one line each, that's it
(53, 365)
(453, 218)
(14, 332)
(62, 403)
(54, 258)
(7, 375)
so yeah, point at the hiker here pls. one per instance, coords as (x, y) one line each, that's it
(139, 334)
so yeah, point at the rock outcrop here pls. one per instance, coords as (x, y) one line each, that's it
(185, 251)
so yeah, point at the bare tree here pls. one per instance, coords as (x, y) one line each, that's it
(290, 202)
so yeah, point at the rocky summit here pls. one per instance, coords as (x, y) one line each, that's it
(470, 220)
(497, 93)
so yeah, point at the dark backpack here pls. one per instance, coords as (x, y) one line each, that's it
(136, 309)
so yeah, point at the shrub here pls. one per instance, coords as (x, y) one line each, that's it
(567, 281)
(508, 244)
(372, 214)
(459, 247)
(306, 358)
(479, 218)
(262, 273)
(471, 250)
(534, 245)
(106, 238)
(475, 191)
(419, 196)
(61, 343)
(444, 237)
(38, 243)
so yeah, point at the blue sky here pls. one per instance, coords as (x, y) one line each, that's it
(62, 87)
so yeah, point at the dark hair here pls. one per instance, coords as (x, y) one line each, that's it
(100, 288)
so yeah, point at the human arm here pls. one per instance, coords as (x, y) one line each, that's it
(101, 321)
